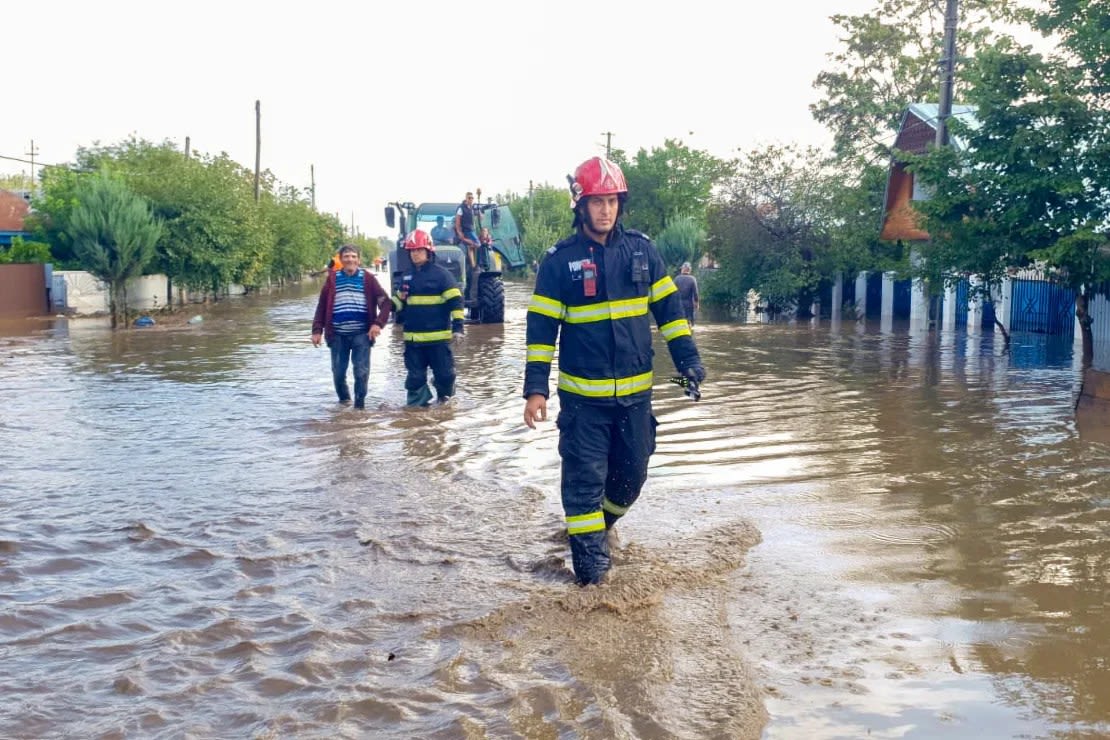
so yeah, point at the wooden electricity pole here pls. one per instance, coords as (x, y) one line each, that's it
(257, 144)
(608, 142)
(948, 71)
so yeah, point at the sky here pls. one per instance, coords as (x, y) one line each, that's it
(419, 100)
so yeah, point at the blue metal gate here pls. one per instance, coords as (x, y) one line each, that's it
(1043, 307)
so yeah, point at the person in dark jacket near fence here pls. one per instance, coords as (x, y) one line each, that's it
(350, 314)
(597, 293)
(429, 304)
(687, 286)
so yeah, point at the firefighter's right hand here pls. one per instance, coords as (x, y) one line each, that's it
(535, 409)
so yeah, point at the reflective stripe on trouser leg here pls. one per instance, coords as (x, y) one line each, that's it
(633, 442)
(584, 436)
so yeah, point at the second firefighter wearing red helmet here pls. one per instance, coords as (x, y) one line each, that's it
(597, 294)
(429, 305)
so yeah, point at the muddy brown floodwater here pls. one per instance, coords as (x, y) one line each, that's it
(854, 534)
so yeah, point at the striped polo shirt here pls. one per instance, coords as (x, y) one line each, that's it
(349, 313)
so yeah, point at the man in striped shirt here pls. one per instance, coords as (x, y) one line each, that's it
(350, 314)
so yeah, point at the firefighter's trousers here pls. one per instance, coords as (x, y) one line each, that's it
(605, 451)
(418, 358)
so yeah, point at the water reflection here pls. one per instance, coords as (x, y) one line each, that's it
(190, 523)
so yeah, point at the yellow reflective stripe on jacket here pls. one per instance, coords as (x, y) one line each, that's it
(622, 309)
(427, 300)
(427, 336)
(583, 523)
(547, 307)
(540, 353)
(675, 329)
(457, 314)
(605, 387)
(627, 308)
(607, 505)
(450, 293)
(662, 288)
(398, 304)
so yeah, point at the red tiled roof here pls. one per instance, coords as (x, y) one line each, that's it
(13, 209)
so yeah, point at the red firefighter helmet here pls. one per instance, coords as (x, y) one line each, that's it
(418, 239)
(597, 176)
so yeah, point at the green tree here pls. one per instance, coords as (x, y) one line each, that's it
(23, 252)
(670, 182)
(771, 230)
(544, 218)
(681, 241)
(1030, 187)
(113, 233)
(888, 60)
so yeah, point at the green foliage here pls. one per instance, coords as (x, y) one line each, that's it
(889, 60)
(1031, 184)
(22, 252)
(669, 182)
(52, 205)
(15, 182)
(681, 241)
(214, 233)
(113, 233)
(772, 229)
(544, 218)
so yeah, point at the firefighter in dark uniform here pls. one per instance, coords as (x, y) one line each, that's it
(429, 305)
(597, 293)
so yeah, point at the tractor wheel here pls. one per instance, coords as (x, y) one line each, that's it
(491, 299)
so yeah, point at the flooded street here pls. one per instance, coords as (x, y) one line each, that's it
(853, 534)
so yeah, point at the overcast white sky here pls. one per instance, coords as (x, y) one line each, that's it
(417, 99)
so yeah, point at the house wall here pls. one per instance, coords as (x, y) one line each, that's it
(901, 219)
(23, 291)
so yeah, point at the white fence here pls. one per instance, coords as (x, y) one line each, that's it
(79, 293)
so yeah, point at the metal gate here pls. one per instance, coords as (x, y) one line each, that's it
(1042, 307)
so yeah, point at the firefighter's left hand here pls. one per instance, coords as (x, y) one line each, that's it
(535, 409)
(695, 373)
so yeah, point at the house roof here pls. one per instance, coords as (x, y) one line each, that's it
(919, 126)
(13, 210)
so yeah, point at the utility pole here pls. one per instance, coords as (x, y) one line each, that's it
(948, 71)
(608, 142)
(312, 187)
(187, 145)
(257, 144)
(32, 154)
(531, 208)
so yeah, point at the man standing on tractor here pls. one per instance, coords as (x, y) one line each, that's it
(350, 313)
(464, 229)
(596, 292)
(429, 305)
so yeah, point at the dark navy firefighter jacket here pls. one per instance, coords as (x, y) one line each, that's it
(605, 352)
(433, 308)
